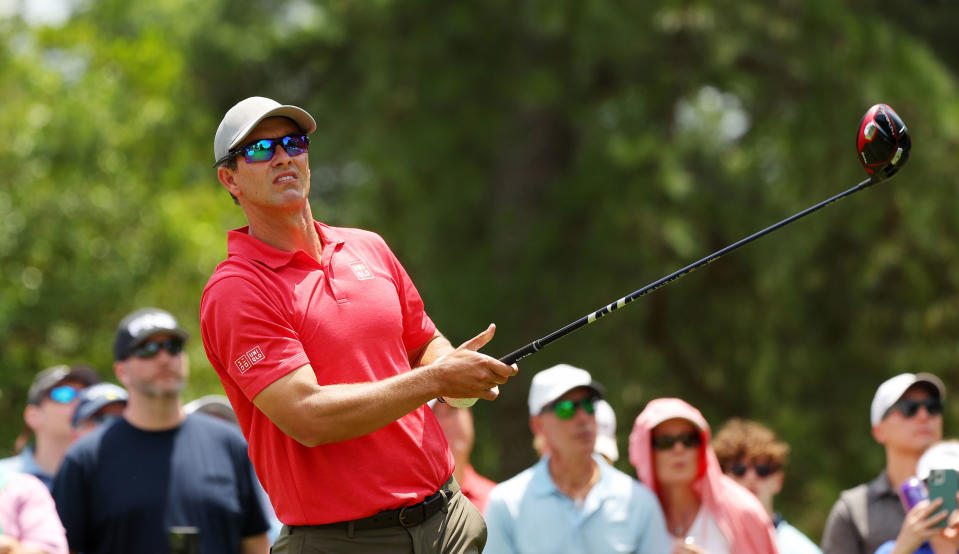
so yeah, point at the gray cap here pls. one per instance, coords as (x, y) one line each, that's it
(53, 376)
(246, 114)
(95, 398)
(215, 405)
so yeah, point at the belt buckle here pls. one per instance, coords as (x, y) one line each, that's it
(403, 522)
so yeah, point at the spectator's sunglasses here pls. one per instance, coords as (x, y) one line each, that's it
(763, 470)
(64, 394)
(150, 349)
(667, 442)
(909, 408)
(264, 149)
(566, 409)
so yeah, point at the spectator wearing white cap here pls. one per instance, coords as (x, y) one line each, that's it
(572, 500)
(906, 418)
(51, 401)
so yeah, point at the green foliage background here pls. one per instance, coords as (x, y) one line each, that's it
(529, 162)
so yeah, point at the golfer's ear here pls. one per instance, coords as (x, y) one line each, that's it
(226, 178)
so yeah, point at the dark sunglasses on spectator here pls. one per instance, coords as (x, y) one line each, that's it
(762, 470)
(64, 394)
(566, 409)
(264, 149)
(150, 349)
(666, 442)
(909, 408)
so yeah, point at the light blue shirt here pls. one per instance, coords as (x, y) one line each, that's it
(528, 514)
(25, 463)
(791, 541)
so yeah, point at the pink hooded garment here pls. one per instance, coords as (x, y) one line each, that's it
(738, 513)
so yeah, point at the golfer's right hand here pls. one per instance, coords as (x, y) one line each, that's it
(467, 373)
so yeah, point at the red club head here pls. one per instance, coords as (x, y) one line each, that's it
(882, 142)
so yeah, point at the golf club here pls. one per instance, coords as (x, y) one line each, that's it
(883, 144)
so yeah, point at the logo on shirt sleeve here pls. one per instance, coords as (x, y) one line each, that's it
(248, 360)
(362, 272)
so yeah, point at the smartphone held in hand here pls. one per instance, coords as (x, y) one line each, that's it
(944, 484)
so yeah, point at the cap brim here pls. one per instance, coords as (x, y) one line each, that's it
(303, 120)
(142, 337)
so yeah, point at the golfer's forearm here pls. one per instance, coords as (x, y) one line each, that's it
(314, 415)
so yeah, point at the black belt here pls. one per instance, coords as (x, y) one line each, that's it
(407, 516)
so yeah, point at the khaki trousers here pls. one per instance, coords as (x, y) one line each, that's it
(457, 528)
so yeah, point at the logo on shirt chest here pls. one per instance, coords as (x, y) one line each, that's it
(362, 272)
(248, 360)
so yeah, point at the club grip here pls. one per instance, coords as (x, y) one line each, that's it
(518, 355)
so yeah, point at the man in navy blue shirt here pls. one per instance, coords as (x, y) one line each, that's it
(158, 477)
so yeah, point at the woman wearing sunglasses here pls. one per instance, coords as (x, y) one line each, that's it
(706, 511)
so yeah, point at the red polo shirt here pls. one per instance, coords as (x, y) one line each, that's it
(353, 317)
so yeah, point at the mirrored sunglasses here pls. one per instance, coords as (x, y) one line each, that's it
(263, 150)
(566, 409)
(64, 394)
(762, 470)
(150, 349)
(909, 408)
(666, 442)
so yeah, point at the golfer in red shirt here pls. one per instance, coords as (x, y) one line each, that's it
(313, 331)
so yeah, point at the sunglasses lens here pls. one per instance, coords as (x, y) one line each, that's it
(663, 442)
(910, 408)
(147, 350)
(63, 395)
(738, 470)
(295, 144)
(588, 406)
(765, 470)
(934, 406)
(666, 442)
(173, 346)
(564, 409)
(151, 349)
(259, 151)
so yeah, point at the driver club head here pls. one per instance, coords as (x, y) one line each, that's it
(882, 142)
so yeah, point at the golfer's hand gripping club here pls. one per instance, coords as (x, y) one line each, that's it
(490, 379)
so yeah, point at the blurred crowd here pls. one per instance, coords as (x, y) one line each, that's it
(102, 467)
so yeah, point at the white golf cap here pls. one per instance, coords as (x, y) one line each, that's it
(942, 455)
(606, 431)
(892, 390)
(550, 384)
(246, 114)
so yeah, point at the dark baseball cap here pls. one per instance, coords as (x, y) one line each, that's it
(95, 398)
(142, 324)
(53, 376)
